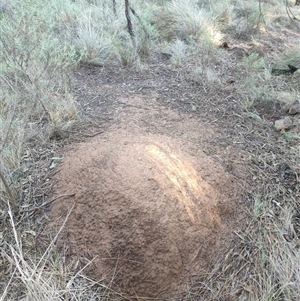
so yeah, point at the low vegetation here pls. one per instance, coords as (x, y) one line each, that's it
(41, 45)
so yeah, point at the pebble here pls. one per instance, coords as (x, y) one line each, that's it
(285, 123)
(294, 109)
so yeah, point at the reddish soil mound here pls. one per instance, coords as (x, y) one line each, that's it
(150, 209)
(147, 209)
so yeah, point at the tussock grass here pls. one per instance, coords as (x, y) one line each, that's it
(186, 20)
(291, 56)
(178, 51)
(35, 81)
(256, 84)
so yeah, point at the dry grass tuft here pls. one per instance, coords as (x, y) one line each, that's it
(45, 277)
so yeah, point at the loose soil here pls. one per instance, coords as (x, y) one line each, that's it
(152, 206)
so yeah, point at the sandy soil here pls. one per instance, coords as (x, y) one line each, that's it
(152, 207)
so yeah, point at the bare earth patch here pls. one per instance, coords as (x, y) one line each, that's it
(151, 209)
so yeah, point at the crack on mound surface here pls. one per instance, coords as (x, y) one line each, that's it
(146, 209)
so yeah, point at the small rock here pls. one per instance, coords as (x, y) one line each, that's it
(294, 109)
(225, 45)
(284, 124)
(230, 80)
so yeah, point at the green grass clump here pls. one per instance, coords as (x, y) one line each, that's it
(256, 76)
(185, 20)
(35, 65)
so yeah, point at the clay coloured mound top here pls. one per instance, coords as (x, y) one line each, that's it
(147, 210)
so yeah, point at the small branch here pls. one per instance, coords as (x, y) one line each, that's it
(8, 129)
(114, 7)
(139, 19)
(9, 192)
(290, 14)
(129, 23)
(8, 83)
(93, 135)
(49, 202)
(261, 16)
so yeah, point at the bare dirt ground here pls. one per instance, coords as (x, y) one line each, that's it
(161, 188)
